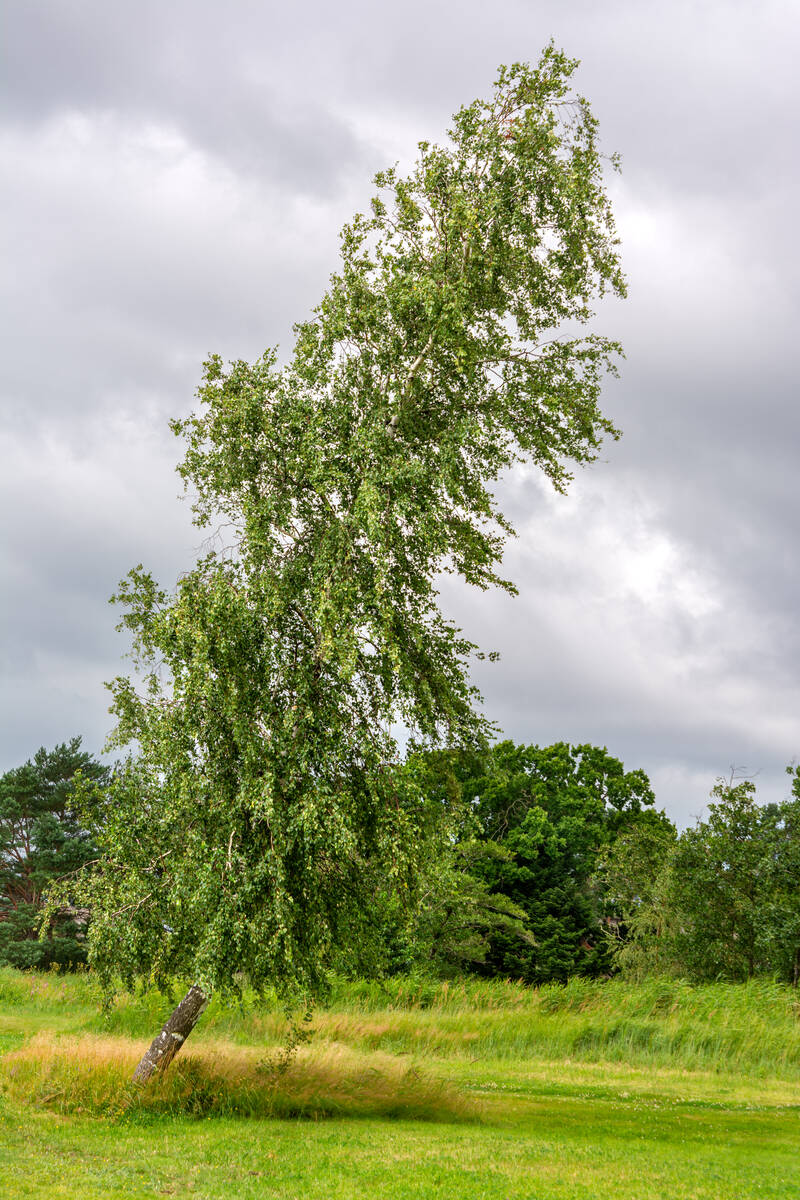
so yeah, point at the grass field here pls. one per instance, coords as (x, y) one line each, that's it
(488, 1091)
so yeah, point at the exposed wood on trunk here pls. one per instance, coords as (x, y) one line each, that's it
(175, 1032)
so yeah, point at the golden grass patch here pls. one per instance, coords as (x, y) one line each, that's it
(92, 1074)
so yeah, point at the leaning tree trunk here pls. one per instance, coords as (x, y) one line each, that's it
(173, 1035)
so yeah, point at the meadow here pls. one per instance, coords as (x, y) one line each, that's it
(476, 1090)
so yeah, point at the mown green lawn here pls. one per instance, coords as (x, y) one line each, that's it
(537, 1127)
(545, 1147)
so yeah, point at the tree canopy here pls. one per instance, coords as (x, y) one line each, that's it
(261, 807)
(536, 822)
(42, 838)
(722, 900)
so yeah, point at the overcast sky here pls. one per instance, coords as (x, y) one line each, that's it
(174, 176)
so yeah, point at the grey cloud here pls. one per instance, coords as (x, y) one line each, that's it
(174, 177)
(78, 520)
(196, 69)
(669, 668)
(133, 255)
(675, 84)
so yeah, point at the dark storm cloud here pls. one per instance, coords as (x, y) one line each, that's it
(174, 177)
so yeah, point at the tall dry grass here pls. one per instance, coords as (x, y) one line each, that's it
(92, 1075)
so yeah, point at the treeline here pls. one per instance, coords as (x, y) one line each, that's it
(541, 864)
(554, 862)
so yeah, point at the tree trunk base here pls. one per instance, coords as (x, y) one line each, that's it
(166, 1045)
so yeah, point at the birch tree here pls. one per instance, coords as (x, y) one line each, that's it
(260, 807)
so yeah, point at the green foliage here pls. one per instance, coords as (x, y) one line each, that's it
(543, 818)
(632, 870)
(720, 901)
(719, 887)
(449, 926)
(262, 813)
(457, 916)
(43, 838)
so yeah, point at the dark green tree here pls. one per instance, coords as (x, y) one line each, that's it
(551, 813)
(459, 917)
(43, 838)
(455, 915)
(262, 811)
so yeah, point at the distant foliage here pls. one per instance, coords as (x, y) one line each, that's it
(513, 887)
(722, 900)
(42, 839)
